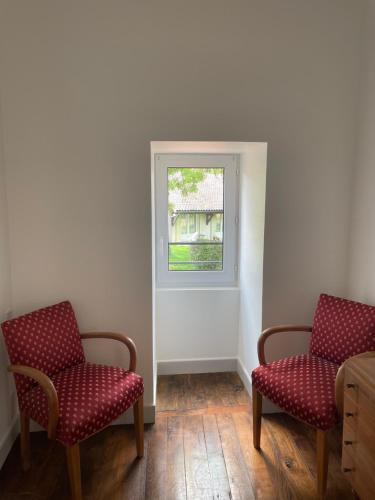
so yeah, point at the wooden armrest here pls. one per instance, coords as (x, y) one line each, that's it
(121, 338)
(49, 389)
(277, 329)
(339, 383)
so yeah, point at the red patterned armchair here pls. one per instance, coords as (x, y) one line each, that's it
(71, 398)
(310, 386)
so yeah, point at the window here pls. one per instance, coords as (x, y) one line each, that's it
(219, 223)
(196, 219)
(192, 223)
(194, 192)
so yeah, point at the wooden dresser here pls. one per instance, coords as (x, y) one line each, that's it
(358, 448)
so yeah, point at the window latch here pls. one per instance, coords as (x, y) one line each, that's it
(162, 247)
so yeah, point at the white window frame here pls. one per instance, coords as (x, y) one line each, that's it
(228, 275)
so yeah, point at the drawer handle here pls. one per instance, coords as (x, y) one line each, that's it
(346, 443)
(346, 469)
(349, 414)
(350, 386)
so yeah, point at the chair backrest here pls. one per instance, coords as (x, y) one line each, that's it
(47, 339)
(342, 328)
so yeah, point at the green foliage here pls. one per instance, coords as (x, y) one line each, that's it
(193, 254)
(186, 180)
(208, 253)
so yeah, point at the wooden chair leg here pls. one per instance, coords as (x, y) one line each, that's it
(257, 417)
(25, 441)
(139, 426)
(74, 470)
(322, 461)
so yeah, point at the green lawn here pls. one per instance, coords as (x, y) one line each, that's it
(185, 253)
(180, 253)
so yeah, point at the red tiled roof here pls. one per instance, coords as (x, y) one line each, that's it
(208, 198)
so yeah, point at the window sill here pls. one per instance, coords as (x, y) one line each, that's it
(197, 288)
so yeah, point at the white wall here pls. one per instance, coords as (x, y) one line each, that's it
(4, 249)
(361, 284)
(8, 408)
(309, 170)
(87, 84)
(77, 169)
(193, 324)
(252, 220)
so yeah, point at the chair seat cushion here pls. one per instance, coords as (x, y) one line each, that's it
(303, 386)
(90, 397)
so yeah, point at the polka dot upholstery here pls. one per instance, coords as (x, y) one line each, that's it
(46, 339)
(342, 328)
(303, 386)
(90, 397)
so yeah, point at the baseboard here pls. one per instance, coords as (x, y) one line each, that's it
(200, 365)
(34, 427)
(244, 376)
(127, 417)
(8, 439)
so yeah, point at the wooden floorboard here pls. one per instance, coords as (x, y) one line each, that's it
(156, 475)
(238, 474)
(215, 457)
(197, 472)
(175, 477)
(199, 448)
(261, 472)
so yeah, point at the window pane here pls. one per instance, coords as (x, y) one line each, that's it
(195, 218)
(192, 223)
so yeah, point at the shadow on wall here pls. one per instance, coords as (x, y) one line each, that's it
(8, 408)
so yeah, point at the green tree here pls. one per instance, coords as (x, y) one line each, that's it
(186, 180)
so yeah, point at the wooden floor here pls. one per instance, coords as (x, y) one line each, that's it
(199, 448)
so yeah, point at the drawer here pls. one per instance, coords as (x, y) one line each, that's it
(359, 391)
(349, 434)
(350, 412)
(366, 406)
(358, 448)
(348, 462)
(359, 473)
(351, 386)
(364, 442)
(359, 441)
(363, 479)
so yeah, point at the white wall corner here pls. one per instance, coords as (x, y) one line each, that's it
(244, 376)
(8, 439)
